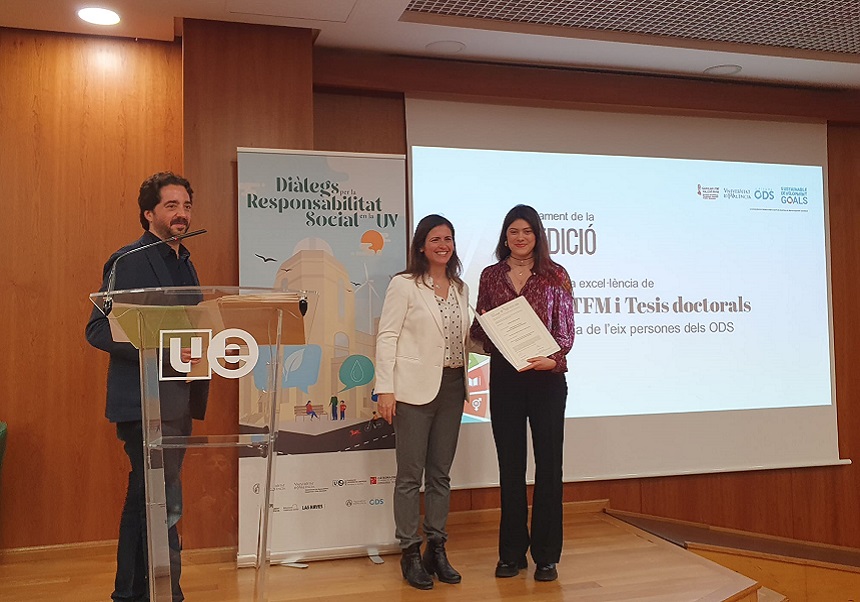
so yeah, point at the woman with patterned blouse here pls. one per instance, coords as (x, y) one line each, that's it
(536, 394)
(421, 383)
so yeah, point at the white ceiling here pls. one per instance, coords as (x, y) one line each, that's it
(376, 25)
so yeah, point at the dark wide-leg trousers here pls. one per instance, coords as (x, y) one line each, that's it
(536, 397)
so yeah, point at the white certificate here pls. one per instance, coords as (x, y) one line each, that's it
(517, 332)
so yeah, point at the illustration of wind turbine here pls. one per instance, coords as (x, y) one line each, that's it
(370, 294)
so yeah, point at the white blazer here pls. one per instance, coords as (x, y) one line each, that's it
(410, 345)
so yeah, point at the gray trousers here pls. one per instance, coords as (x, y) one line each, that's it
(426, 438)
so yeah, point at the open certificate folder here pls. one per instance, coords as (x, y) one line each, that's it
(517, 332)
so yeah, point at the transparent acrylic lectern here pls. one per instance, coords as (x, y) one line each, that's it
(187, 334)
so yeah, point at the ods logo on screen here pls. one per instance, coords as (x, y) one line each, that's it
(232, 353)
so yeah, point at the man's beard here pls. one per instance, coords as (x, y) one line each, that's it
(179, 221)
(167, 231)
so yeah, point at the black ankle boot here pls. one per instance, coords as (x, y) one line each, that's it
(436, 562)
(413, 570)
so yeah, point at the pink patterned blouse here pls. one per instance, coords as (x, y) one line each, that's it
(553, 303)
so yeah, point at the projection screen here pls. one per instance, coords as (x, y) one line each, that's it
(698, 252)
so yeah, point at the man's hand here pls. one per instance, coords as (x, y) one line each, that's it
(186, 356)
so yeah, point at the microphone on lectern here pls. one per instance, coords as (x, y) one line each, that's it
(107, 303)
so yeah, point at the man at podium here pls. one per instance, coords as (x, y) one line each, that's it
(165, 202)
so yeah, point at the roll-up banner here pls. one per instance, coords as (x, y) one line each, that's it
(333, 223)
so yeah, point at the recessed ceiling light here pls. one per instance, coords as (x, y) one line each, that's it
(99, 16)
(445, 47)
(723, 70)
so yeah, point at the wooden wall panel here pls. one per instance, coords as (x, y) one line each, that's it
(625, 493)
(244, 85)
(359, 123)
(753, 501)
(514, 84)
(84, 121)
(826, 499)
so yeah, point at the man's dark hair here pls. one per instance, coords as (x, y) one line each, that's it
(150, 192)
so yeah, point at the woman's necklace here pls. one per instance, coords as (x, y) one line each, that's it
(521, 266)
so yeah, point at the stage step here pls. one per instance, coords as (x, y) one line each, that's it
(800, 571)
(768, 595)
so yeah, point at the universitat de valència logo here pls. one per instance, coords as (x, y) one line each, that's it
(232, 353)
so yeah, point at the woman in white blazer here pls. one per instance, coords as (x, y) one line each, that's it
(421, 363)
